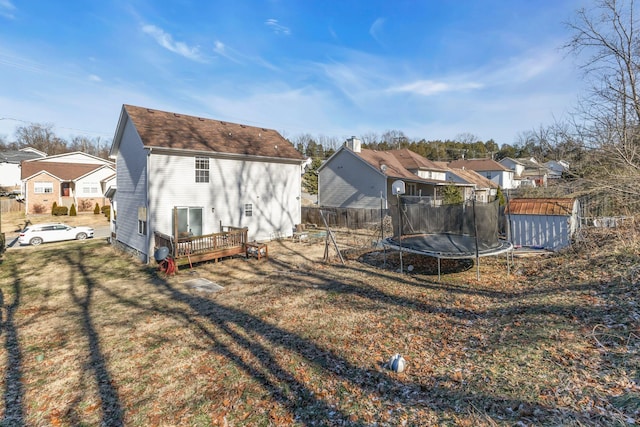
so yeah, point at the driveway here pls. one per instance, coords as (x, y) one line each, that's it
(101, 232)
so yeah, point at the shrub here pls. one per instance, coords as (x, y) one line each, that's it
(452, 195)
(106, 210)
(72, 211)
(38, 209)
(61, 210)
(53, 208)
(96, 210)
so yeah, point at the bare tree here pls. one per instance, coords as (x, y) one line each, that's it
(41, 137)
(606, 42)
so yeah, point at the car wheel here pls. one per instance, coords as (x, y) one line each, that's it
(81, 236)
(35, 241)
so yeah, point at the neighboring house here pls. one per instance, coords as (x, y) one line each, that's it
(10, 166)
(360, 178)
(542, 223)
(527, 171)
(556, 168)
(483, 188)
(194, 175)
(66, 179)
(488, 168)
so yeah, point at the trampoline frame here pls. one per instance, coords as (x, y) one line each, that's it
(398, 242)
(505, 247)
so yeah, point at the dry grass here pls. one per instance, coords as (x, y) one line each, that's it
(91, 337)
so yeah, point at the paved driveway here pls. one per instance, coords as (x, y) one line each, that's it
(101, 232)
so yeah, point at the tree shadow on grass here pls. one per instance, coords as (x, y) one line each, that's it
(251, 344)
(81, 290)
(14, 391)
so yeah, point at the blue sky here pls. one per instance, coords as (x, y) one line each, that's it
(432, 69)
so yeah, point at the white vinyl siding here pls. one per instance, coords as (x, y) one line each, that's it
(273, 190)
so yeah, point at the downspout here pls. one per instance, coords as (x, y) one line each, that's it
(148, 242)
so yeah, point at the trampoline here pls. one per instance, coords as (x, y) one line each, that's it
(467, 230)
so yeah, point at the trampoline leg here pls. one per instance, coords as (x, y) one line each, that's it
(438, 269)
(508, 265)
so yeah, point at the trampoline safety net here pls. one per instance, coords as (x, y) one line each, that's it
(447, 230)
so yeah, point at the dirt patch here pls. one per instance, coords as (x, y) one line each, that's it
(413, 263)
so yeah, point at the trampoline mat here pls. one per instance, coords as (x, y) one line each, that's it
(448, 245)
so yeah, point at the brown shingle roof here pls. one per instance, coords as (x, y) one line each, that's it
(474, 177)
(413, 161)
(163, 129)
(64, 171)
(480, 165)
(561, 206)
(394, 167)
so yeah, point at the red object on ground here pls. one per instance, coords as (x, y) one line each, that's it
(168, 266)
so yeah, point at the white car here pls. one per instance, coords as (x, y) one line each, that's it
(52, 232)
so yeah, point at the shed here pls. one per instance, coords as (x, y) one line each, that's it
(546, 223)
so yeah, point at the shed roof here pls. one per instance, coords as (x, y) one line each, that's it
(543, 206)
(162, 129)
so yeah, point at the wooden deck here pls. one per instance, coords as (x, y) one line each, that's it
(188, 250)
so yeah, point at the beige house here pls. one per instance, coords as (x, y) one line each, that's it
(66, 179)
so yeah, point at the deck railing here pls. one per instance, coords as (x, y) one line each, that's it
(204, 246)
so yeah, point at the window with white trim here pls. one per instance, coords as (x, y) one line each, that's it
(411, 189)
(202, 169)
(90, 188)
(40, 187)
(142, 220)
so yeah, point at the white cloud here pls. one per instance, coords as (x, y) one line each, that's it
(431, 87)
(166, 40)
(7, 9)
(276, 27)
(94, 78)
(376, 29)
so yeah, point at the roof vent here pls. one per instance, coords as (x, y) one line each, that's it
(176, 114)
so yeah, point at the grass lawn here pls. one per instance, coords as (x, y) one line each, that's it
(89, 337)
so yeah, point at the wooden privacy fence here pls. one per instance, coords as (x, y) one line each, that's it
(351, 218)
(11, 205)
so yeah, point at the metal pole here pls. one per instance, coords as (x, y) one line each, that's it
(475, 226)
(400, 231)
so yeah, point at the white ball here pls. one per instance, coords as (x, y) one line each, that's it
(397, 363)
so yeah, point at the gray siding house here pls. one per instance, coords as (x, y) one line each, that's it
(360, 178)
(210, 172)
